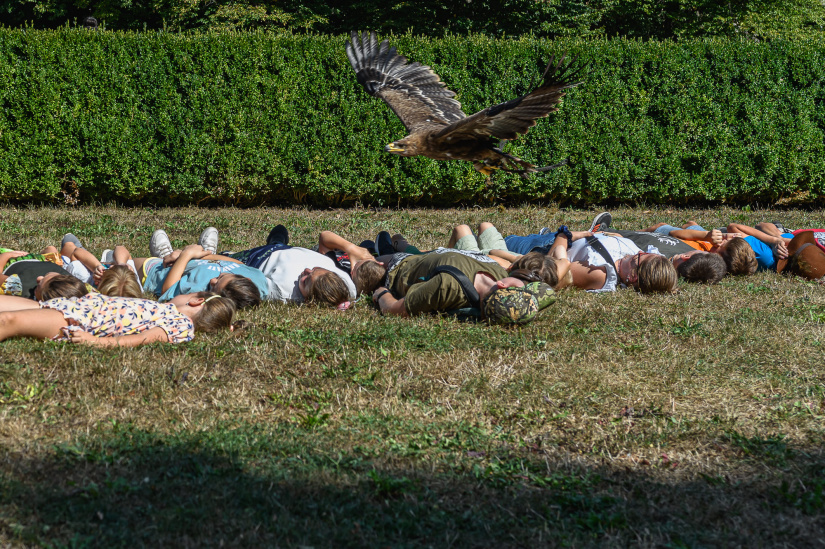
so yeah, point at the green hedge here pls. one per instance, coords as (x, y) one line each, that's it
(259, 118)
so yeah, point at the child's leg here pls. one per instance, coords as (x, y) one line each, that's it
(401, 245)
(653, 228)
(15, 303)
(490, 239)
(38, 323)
(461, 231)
(49, 250)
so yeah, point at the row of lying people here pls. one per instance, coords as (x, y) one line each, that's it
(70, 295)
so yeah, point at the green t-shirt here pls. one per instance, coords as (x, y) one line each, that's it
(441, 293)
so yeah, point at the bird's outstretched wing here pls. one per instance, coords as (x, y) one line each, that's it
(509, 119)
(413, 91)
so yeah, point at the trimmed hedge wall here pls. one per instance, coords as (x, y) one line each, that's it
(257, 118)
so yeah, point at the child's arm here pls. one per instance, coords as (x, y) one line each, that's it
(5, 256)
(588, 278)
(192, 251)
(218, 257)
(388, 304)
(558, 251)
(503, 254)
(328, 241)
(121, 255)
(152, 335)
(777, 243)
(714, 237)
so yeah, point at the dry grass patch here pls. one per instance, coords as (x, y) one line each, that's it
(688, 420)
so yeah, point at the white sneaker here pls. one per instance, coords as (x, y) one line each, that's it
(108, 256)
(160, 245)
(209, 240)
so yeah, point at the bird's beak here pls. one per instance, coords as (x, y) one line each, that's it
(393, 148)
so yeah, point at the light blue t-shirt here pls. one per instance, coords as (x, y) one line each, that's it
(197, 275)
(764, 254)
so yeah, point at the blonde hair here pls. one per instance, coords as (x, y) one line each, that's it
(119, 280)
(657, 275)
(368, 277)
(739, 257)
(215, 314)
(327, 289)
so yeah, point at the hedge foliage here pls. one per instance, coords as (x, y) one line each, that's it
(256, 118)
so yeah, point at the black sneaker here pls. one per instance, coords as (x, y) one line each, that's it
(601, 222)
(278, 235)
(383, 243)
(369, 245)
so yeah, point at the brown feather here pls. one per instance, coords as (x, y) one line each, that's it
(437, 126)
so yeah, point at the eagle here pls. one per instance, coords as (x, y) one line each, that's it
(437, 127)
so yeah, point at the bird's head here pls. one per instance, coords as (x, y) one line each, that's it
(401, 148)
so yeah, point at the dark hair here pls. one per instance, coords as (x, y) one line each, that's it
(705, 267)
(62, 286)
(242, 291)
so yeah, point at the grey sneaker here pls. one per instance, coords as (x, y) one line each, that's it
(160, 245)
(108, 256)
(209, 240)
(601, 222)
(544, 230)
(69, 237)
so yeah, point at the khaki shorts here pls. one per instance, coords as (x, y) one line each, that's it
(489, 240)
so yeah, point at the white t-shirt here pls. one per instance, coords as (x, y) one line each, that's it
(283, 268)
(618, 247)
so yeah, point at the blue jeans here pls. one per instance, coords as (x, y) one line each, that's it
(525, 244)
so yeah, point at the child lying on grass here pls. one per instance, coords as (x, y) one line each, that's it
(105, 321)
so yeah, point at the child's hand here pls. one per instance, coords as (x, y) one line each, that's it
(195, 251)
(716, 237)
(97, 275)
(73, 334)
(14, 253)
(170, 259)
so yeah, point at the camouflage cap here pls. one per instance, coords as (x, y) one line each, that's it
(517, 305)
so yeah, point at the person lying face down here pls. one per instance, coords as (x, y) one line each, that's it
(101, 320)
(416, 287)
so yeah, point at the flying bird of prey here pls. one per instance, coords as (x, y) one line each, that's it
(437, 126)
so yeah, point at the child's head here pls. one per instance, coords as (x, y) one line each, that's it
(700, 266)
(541, 264)
(657, 275)
(738, 256)
(239, 289)
(368, 274)
(209, 312)
(322, 286)
(120, 280)
(52, 285)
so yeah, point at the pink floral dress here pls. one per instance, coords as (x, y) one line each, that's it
(106, 316)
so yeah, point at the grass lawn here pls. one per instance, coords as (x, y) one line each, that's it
(693, 420)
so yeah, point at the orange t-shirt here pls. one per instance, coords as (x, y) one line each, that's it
(699, 244)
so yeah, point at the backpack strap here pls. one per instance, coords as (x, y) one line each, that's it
(594, 243)
(469, 290)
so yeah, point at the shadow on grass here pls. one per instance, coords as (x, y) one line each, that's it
(244, 487)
